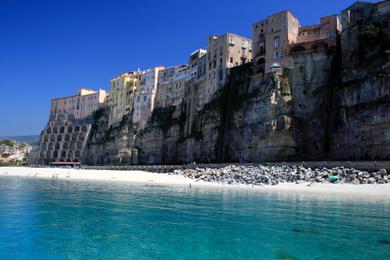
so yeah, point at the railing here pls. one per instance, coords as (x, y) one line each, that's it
(360, 165)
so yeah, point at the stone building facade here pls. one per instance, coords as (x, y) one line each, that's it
(315, 38)
(224, 52)
(198, 63)
(355, 19)
(64, 140)
(144, 101)
(169, 81)
(275, 37)
(122, 92)
(79, 106)
(271, 38)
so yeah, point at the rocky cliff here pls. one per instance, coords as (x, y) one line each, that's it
(334, 104)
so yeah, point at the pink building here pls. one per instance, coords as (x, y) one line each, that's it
(79, 106)
(278, 37)
(316, 37)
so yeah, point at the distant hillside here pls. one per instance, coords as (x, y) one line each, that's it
(30, 139)
(13, 152)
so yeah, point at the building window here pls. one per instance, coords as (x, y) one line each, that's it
(277, 42)
(220, 75)
(231, 60)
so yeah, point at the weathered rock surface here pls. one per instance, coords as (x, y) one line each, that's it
(273, 175)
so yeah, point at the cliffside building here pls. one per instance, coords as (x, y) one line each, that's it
(271, 38)
(122, 94)
(224, 52)
(198, 63)
(79, 106)
(356, 18)
(144, 101)
(171, 83)
(281, 34)
(65, 136)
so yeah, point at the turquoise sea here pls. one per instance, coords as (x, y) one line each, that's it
(47, 219)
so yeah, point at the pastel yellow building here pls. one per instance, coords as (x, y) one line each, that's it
(122, 93)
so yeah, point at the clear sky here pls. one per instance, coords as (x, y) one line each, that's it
(52, 48)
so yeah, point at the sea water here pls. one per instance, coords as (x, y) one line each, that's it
(52, 219)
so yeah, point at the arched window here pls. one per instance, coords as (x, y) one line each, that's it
(67, 137)
(52, 138)
(46, 138)
(51, 146)
(77, 129)
(84, 128)
(59, 138)
(77, 154)
(74, 137)
(48, 130)
(57, 146)
(79, 145)
(81, 137)
(70, 129)
(62, 130)
(55, 154)
(55, 130)
(63, 154)
(65, 146)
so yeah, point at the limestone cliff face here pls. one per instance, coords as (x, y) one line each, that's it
(333, 105)
(306, 113)
(361, 123)
(252, 119)
(362, 129)
(313, 82)
(259, 120)
(110, 145)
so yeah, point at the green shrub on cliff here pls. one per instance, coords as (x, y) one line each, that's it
(96, 115)
(7, 143)
(163, 117)
(370, 33)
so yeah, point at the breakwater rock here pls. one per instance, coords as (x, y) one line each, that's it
(273, 175)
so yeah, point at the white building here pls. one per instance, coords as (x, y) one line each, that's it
(144, 101)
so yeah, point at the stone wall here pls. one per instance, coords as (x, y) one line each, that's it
(63, 140)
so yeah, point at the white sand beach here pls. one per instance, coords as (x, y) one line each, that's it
(374, 191)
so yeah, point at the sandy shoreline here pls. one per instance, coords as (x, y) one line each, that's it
(374, 191)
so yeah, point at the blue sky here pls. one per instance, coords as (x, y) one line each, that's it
(52, 48)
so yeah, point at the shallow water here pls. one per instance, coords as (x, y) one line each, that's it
(45, 219)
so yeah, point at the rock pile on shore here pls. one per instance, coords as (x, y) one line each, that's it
(273, 175)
